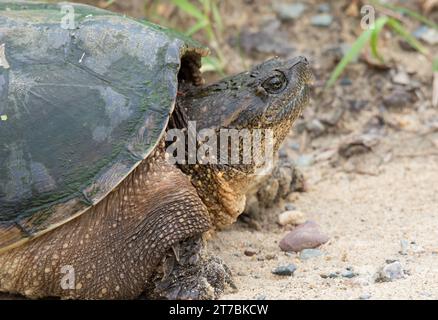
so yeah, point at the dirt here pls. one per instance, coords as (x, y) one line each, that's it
(366, 217)
(370, 197)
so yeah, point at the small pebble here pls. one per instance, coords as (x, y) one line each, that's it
(310, 253)
(418, 249)
(291, 217)
(289, 11)
(261, 297)
(287, 270)
(428, 35)
(365, 296)
(420, 31)
(305, 236)
(295, 146)
(398, 98)
(315, 126)
(346, 81)
(404, 244)
(270, 256)
(304, 160)
(332, 275)
(348, 274)
(324, 7)
(289, 206)
(322, 20)
(264, 42)
(390, 272)
(250, 252)
(402, 78)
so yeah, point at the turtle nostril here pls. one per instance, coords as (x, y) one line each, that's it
(299, 60)
(302, 59)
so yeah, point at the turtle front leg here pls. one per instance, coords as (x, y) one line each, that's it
(188, 272)
(115, 250)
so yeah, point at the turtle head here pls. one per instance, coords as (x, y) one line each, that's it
(270, 96)
(263, 102)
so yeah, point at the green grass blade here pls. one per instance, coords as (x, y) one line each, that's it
(435, 83)
(374, 41)
(207, 6)
(212, 64)
(189, 8)
(354, 51)
(405, 34)
(196, 27)
(109, 2)
(412, 14)
(217, 16)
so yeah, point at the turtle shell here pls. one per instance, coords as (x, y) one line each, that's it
(80, 107)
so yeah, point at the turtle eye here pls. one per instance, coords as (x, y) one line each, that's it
(276, 83)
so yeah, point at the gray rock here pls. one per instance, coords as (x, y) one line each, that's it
(402, 78)
(322, 20)
(294, 145)
(316, 127)
(310, 253)
(365, 296)
(286, 270)
(349, 274)
(265, 42)
(390, 272)
(305, 236)
(332, 275)
(357, 105)
(404, 245)
(289, 206)
(304, 160)
(418, 249)
(420, 31)
(324, 8)
(346, 81)
(289, 11)
(428, 35)
(398, 98)
(261, 297)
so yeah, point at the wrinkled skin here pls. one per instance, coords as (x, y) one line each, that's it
(148, 234)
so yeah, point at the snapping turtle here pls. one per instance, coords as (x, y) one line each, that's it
(90, 205)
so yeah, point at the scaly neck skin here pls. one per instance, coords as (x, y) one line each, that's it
(221, 189)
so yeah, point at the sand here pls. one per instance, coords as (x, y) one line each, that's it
(367, 217)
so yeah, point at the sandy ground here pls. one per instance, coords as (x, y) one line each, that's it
(366, 217)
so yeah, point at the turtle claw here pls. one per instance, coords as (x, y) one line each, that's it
(176, 252)
(207, 280)
(167, 267)
(196, 277)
